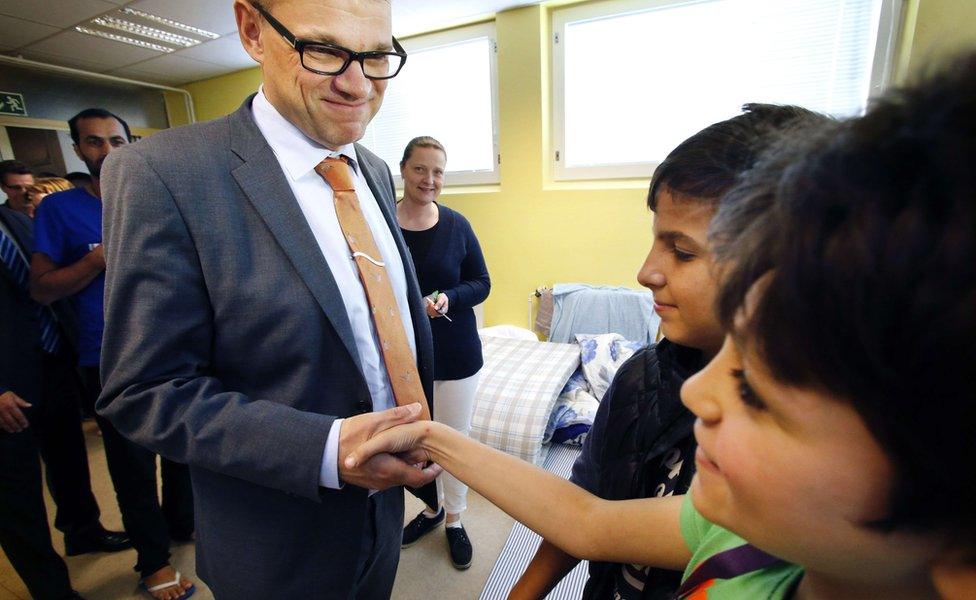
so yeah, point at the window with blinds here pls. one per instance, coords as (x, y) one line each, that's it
(447, 89)
(632, 79)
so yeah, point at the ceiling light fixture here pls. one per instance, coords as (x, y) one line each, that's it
(123, 38)
(145, 31)
(171, 23)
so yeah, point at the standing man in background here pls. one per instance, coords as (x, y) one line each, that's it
(15, 176)
(45, 352)
(262, 321)
(25, 337)
(68, 262)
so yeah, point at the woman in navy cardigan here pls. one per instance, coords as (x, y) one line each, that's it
(453, 275)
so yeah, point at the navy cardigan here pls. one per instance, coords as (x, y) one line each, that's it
(455, 266)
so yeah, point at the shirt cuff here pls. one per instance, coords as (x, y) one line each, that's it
(329, 473)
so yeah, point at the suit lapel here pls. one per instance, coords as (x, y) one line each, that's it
(23, 233)
(22, 236)
(265, 186)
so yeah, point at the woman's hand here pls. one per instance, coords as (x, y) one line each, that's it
(437, 308)
(431, 308)
(441, 304)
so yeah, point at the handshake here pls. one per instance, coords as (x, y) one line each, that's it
(385, 449)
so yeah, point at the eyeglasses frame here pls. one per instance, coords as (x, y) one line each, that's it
(300, 44)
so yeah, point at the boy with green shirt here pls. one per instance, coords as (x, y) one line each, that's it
(835, 424)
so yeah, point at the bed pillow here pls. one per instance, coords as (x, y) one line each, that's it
(601, 355)
(572, 417)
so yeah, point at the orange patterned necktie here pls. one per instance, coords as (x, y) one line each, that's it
(400, 364)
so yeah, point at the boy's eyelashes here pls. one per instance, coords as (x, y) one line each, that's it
(746, 393)
(682, 255)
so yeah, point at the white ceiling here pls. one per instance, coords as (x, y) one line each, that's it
(43, 30)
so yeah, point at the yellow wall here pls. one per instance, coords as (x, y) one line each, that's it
(935, 30)
(535, 232)
(219, 96)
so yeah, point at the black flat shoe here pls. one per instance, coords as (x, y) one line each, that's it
(419, 527)
(460, 547)
(97, 541)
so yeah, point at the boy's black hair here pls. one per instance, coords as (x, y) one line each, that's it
(706, 165)
(95, 113)
(863, 242)
(12, 167)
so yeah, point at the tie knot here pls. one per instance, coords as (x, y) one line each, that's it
(336, 172)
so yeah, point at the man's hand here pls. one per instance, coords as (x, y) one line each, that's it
(405, 441)
(50, 281)
(12, 419)
(97, 256)
(381, 470)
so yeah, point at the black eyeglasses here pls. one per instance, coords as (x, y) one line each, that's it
(330, 59)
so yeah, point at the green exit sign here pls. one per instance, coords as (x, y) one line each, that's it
(12, 104)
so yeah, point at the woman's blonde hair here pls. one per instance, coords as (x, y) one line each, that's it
(424, 141)
(49, 185)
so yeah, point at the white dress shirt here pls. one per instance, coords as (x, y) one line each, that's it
(298, 155)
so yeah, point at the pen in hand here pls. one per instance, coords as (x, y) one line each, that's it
(431, 299)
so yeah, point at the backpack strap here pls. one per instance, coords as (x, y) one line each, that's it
(726, 565)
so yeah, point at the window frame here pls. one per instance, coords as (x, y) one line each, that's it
(887, 38)
(447, 38)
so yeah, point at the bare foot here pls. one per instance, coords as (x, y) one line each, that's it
(166, 575)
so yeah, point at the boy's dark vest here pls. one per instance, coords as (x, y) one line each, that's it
(646, 421)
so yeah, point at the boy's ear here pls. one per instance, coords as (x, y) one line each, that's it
(955, 580)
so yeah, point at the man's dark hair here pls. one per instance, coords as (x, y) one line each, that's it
(95, 113)
(12, 167)
(78, 179)
(706, 165)
(862, 240)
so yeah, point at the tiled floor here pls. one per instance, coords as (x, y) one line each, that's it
(425, 571)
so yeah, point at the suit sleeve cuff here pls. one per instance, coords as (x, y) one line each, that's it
(329, 474)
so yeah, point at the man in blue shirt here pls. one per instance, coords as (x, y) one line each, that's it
(69, 262)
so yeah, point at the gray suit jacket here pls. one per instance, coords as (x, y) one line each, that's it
(227, 347)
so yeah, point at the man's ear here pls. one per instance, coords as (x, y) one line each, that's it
(955, 580)
(249, 29)
(78, 152)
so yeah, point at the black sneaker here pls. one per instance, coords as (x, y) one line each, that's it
(419, 527)
(460, 546)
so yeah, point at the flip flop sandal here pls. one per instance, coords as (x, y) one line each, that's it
(162, 586)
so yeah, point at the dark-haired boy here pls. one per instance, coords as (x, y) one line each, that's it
(641, 443)
(835, 425)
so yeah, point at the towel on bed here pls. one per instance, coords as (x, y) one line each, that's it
(580, 308)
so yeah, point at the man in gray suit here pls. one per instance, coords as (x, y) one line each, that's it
(238, 339)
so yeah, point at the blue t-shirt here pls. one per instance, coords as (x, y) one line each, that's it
(67, 225)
